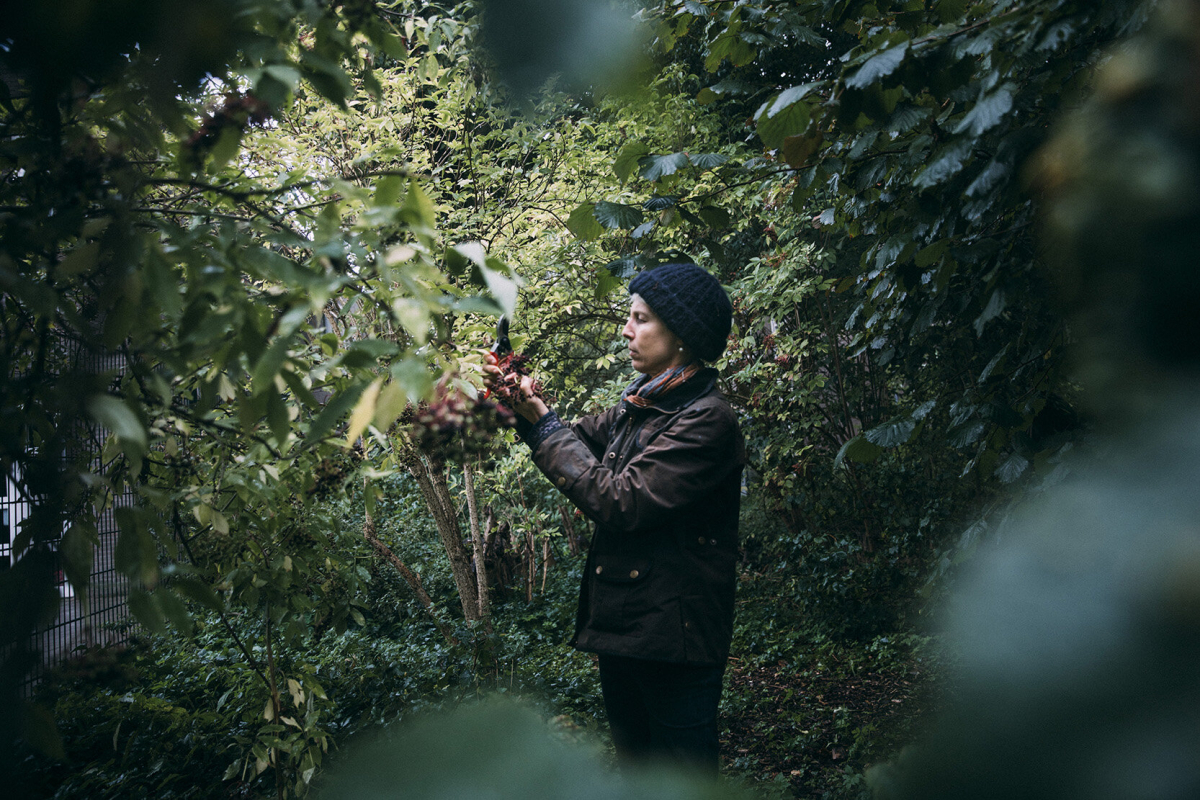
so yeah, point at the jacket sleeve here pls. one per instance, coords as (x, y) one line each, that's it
(681, 465)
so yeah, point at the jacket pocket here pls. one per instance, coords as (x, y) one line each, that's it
(621, 596)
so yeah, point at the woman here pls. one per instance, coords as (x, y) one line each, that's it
(660, 474)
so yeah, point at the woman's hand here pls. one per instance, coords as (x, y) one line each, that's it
(527, 404)
(492, 374)
(530, 406)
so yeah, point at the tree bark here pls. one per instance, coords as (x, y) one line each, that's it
(432, 481)
(411, 578)
(481, 582)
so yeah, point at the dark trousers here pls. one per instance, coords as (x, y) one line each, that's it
(659, 711)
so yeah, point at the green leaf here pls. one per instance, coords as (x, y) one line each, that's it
(617, 215)
(707, 160)
(878, 66)
(786, 115)
(948, 163)
(174, 609)
(930, 255)
(715, 217)
(582, 222)
(228, 143)
(891, 433)
(419, 206)
(37, 725)
(949, 11)
(387, 190)
(197, 591)
(146, 611)
(115, 415)
(993, 309)
(797, 150)
(503, 285)
(987, 112)
(1012, 467)
(606, 282)
(135, 553)
(628, 158)
(78, 549)
(857, 449)
(655, 167)
(334, 410)
(413, 375)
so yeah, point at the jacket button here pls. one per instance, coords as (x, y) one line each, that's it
(687, 625)
(599, 570)
(633, 574)
(562, 481)
(713, 542)
(701, 540)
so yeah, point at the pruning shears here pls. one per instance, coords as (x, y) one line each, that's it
(502, 345)
(500, 348)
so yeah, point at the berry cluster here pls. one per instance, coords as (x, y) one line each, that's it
(454, 427)
(329, 476)
(508, 390)
(239, 111)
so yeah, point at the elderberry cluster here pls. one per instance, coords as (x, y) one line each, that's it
(507, 390)
(454, 427)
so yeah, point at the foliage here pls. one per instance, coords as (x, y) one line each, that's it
(196, 276)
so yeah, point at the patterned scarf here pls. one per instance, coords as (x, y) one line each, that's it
(662, 384)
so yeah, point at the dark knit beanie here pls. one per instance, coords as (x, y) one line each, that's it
(691, 303)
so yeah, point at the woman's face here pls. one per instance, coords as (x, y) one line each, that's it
(652, 346)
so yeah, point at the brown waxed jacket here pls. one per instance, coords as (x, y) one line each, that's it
(663, 485)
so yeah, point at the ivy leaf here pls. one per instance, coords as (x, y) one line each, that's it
(878, 66)
(987, 112)
(655, 167)
(617, 215)
(583, 224)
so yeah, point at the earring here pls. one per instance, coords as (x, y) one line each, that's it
(681, 348)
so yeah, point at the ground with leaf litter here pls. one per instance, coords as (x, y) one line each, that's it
(813, 732)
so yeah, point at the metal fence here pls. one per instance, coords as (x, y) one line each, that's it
(101, 618)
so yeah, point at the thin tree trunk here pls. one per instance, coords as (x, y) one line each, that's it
(411, 578)
(477, 542)
(432, 482)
